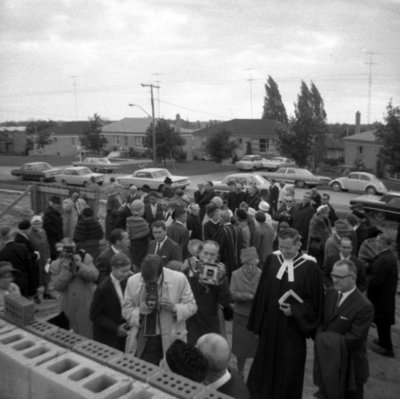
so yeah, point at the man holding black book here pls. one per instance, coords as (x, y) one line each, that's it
(286, 310)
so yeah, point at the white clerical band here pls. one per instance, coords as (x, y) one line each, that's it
(287, 265)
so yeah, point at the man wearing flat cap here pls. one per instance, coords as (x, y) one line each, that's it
(340, 229)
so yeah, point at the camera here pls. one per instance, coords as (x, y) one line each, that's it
(68, 253)
(209, 274)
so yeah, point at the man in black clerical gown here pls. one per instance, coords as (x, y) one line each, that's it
(283, 324)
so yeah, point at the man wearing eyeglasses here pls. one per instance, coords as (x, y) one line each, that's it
(341, 364)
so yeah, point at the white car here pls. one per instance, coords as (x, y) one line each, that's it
(360, 182)
(79, 176)
(98, 164)
(245, 179)
(277, 162)
(152, 178)
(250, 162)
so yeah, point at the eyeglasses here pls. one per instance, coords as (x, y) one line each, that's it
(340, 277)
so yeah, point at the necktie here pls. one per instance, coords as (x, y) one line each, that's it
(122, 283)
(340, 296)
(157, 249)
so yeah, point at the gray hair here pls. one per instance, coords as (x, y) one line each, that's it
(216, 350)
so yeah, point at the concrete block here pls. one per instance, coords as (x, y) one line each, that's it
(211, 394)
(40, 328)
(142, 390)
(175, 385)
(134, 367)
(20, 352)
(64, 338)
(97, 351)
(73, 376)
(18, 309)
(6, 327)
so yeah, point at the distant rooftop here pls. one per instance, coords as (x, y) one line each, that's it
(368, 136)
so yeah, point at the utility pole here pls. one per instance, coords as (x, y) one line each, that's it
(158, 81)
(153, 118)
(251, 90)
(369, 63)
(76, 100)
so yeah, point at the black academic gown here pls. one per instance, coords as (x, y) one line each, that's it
(277, 371)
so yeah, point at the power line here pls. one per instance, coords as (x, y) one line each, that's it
(195, 110)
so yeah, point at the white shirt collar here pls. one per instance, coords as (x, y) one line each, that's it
(221, 381)
(346, 294)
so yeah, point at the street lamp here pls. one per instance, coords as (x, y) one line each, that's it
(153, 130)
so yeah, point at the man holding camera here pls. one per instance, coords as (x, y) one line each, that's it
(109, 327)
(210, 287)
(74, 276)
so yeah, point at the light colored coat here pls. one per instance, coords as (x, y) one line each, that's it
(76, 292)
(175, 288)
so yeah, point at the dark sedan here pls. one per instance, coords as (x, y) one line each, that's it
(41, 171)
(385, 207)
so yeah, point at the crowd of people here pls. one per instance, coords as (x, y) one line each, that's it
(174, 270)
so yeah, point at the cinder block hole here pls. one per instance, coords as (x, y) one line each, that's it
(81, 374)
(100, 383)
(11, 339)
(23, 345)
(62, 366)
(37, 352)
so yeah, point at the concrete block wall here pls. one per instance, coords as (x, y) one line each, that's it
(96, 351)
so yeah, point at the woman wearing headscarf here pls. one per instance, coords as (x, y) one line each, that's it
(243, 286)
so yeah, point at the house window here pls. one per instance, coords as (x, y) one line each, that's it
(264, 145)
(138, 141)
(360, 149)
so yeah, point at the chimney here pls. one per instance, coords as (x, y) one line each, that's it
(178, 123)
(358, 120)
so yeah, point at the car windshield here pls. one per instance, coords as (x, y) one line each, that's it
(161, 173)
(304, 172)
(102, 160)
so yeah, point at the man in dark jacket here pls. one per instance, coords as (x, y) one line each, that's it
(273, 197)
(253, 197)
(18, 255)
(301, 220)
(53, 224)
(382, 293)
(341, 364)
(109, 327)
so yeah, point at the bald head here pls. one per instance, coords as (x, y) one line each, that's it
(216, 350)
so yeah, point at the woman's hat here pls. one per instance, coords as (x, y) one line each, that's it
(6, 267)
(248, 254)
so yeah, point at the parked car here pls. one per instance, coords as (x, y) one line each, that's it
(246, 179)
(277, 162)
(98, 164)
(249, 162)
(299, 177)
(359, 181)
(41, 171)
(79, 176)
(385, 207)
(153, 178)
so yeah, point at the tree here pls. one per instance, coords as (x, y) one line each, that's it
(91, 139)
(388, 135)
(273, 105)
(168, 142)
(38, 133)
(219, 146)
(304, 141)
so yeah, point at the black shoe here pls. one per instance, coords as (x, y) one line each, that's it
(49, 296)
(376, 341)
(382, 351)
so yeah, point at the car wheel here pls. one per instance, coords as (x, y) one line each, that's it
(160, 187)
(85, 184)
(379, 216)
(300, 183)
(370, 190)
(336, 186)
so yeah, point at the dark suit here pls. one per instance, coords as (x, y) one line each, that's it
(235, 387)
(180, 234)
(351, 320)
(53, 225)
(361, 282)
(103, 264)
(273, 198)
(170, 250)
(150, 217)
(361, 235)
(382, 293)
(105, 314)
(123, 214)
(18, 255)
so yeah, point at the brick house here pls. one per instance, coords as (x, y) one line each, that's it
(260, 133)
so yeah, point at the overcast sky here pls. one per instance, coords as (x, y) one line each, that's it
(207, 55)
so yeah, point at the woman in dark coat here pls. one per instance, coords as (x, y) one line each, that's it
(319, 231)
(88, 233)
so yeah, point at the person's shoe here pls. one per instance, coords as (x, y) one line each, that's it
(383, 351)
(49, 296)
